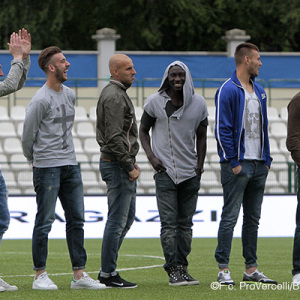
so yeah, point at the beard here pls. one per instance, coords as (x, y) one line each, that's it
(59, 75)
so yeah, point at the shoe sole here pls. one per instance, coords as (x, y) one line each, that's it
(260, 282)
(45, 289)
(88, 288)
(120, 286)
(194, 282)
(178, 284)
(226, 283)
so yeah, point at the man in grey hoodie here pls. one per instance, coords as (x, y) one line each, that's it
(178, 118)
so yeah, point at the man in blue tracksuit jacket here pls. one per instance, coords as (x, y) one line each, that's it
(243, 146)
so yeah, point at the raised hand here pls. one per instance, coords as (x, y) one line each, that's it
(26, 42)
(15, 46)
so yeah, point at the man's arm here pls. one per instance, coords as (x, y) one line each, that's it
(293, 129)
(146, 143)
(26, 47)
(201, 145)
(19, 47)
(34, 115)
(224, 127)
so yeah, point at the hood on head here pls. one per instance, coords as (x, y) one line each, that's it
(188, 87)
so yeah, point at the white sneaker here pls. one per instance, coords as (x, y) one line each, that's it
(86, 282)
(296, 279)
(224, 277)
(43, 282)
(6, 286)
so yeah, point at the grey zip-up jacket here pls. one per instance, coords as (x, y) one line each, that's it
(16, 77)
(116, 129)
(173, 138)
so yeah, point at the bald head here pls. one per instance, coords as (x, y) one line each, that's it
(121, 68)
(117, 60)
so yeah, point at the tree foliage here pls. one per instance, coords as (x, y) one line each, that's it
(177, 25)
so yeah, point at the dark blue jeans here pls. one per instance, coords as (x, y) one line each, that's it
(49, 183)
(247, 189)
(176, 205)
(296, 249)
(121, 196)
(4, 212)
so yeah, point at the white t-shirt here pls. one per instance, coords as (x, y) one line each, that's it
(253, 126)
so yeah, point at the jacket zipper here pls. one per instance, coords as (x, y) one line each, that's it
(128, 136)
(171, 148)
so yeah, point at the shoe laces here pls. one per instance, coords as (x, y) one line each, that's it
(173, 272)
(87, 278)
(226, 275)
(44, 277)
(183, 271)
(259, 274)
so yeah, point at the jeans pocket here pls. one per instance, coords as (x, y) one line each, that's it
(226, 173)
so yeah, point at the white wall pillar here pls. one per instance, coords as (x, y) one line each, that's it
(233, 38)
(106, 46)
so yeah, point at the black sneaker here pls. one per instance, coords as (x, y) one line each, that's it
(175, 278)
(258, 277)
(116, 281)
(185, 275)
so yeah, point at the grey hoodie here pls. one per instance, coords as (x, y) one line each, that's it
(173, 138)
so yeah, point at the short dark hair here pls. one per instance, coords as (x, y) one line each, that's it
(243, 50)
(46, 55)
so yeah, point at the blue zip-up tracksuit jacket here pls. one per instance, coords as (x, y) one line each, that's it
(229, 128)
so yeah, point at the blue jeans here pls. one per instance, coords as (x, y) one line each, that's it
(49, 183)
(176, 205)
(247, 189)
(296, 249)
(121, 196)
(4, 212)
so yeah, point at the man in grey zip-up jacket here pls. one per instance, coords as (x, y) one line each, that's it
(177, 117)
(19, 47)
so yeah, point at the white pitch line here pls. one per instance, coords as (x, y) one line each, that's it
(95, 272)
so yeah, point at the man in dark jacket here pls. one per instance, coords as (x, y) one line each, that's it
(117, 135)
(293, 145)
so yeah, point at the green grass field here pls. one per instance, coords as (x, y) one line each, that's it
(140, 261)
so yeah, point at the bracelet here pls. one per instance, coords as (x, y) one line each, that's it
(201, 170)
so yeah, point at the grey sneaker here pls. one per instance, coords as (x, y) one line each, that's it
(43, 282)
(175, 278)
(7, 287)
(224, 277)
(86, 282)
(258, 277)
(186, 276)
